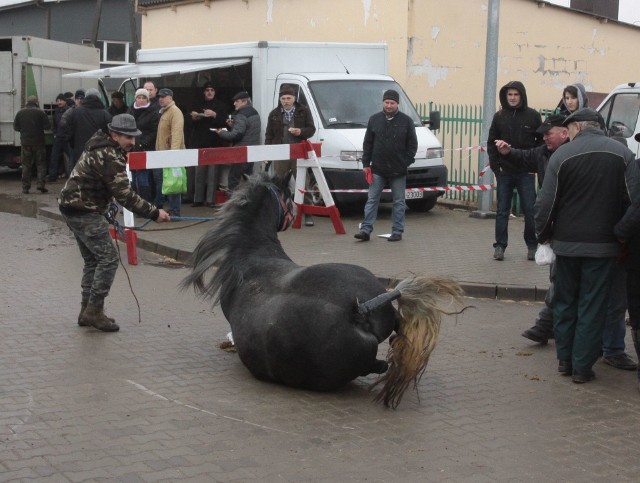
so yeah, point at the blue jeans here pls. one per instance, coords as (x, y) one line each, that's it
(397, 184)
(175, 201)
(615, 325)
(524, 183)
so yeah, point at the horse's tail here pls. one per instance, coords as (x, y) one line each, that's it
(417, 334)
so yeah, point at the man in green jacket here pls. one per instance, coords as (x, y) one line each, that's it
(98, 177)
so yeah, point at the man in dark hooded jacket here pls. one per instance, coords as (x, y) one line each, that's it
(515, 123)
(83, 122)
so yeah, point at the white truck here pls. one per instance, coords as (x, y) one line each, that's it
(342, 83)
(34, 66)
(621, 113)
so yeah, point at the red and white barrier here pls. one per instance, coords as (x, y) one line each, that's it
(306, 152)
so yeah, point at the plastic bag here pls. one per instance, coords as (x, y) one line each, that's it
(545, 255)
(174, 181)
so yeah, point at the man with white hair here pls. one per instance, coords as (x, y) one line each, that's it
(583, 196)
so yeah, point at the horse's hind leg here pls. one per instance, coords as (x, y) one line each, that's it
(378, 367)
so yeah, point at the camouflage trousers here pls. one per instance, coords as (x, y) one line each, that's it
(30, 155)
(100, 257)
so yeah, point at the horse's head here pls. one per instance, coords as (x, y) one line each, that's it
(262, 190)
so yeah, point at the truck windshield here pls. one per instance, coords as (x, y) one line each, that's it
(348, 104)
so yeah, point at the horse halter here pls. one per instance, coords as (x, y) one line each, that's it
(285, 210)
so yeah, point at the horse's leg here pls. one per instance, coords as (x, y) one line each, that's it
(380, 367)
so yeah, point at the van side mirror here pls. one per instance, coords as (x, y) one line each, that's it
(433, 122)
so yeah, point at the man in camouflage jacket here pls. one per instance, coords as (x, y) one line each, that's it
(98, 177)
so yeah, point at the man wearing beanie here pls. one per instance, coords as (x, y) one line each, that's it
(389, 148)
(118, 106)
(84, 121)
(99, 177)
(211, 113)
(31, 122)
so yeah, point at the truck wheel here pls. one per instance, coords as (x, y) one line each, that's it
(422, 205)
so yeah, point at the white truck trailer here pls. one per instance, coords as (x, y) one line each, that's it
(342, 83)
(34, 66)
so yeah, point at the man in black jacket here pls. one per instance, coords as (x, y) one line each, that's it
(389, 148)
(83, 122)
(584, 194)
(31, 122)
(211, 114)
(515, 123)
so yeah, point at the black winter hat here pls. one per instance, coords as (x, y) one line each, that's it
(554, 120)
(79, 94)
(60, 97)
(581, 115)
(391, 95)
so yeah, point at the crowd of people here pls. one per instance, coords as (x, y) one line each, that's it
(586, 209)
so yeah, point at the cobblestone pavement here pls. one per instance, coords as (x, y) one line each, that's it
(158, 401)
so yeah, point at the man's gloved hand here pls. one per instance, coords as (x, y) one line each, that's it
(368, 175)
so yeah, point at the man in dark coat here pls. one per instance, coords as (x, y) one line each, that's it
(83, 122)
(389, 148)
(580, 229)
(31, 122)
(515, 123)
(289, 123)
(211, 114)
(244, 130)
(59, 142)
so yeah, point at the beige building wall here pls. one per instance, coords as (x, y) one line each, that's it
(436, 48)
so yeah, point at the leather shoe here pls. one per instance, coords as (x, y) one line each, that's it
(531, 253)
(621, 361)
(43, 190)
(197, 204)
(582, 377)
(564, 368)
(395, 237)
(362, 236)
(537, 334)
(498, 253)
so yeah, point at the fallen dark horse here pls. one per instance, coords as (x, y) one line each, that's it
(315, 327)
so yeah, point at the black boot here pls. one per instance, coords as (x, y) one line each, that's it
(538, 334)
(635, 334)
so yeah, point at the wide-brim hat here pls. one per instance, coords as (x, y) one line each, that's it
(124, 124)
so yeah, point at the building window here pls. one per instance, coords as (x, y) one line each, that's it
(112, 52)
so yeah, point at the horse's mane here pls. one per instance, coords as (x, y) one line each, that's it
(247, 224)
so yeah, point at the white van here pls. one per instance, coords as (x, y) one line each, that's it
(621, 113)
(341, 83)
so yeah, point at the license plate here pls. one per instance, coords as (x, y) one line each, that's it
(413, 195)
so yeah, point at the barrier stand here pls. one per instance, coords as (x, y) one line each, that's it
(330, 209)
(131, 240)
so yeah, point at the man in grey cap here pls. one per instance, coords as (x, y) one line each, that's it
(583, 196)
(98, 177)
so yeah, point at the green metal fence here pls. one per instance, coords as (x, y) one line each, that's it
(459, 134)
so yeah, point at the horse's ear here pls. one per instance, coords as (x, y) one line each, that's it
(287, 178)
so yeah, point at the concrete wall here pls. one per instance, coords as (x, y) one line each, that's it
(436, 48)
